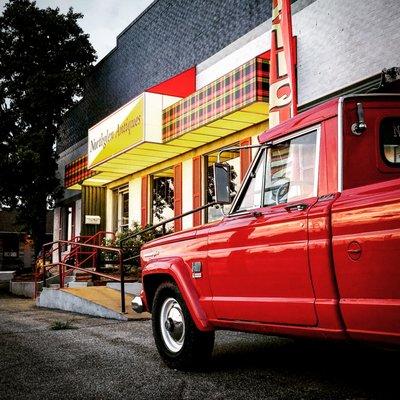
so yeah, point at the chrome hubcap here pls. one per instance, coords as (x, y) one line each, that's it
(172, 325)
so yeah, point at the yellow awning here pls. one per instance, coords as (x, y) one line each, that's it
(153, 128)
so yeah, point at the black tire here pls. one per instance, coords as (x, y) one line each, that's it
(192, 348)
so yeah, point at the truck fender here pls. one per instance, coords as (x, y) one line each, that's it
(178, 271)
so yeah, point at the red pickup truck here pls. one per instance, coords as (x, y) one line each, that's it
(310, 246)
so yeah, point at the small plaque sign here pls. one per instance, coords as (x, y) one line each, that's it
(92, 219)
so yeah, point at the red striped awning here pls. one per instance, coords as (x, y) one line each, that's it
(241, 87)
(77, 171)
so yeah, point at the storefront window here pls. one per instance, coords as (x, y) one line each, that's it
(68, 228)
(122, 209)
(233, 159)
(69, 223)
(162, 196)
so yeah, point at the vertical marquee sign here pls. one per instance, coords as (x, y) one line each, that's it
(282, 91)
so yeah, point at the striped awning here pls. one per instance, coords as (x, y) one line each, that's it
(230, 104)
(76, 172)
(233, 102)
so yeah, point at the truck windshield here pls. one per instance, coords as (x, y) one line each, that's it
(283, 172)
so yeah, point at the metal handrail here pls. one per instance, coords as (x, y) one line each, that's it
(103, 233)
(62, 265)
(119, 250)
(80, 240)
(166, 221)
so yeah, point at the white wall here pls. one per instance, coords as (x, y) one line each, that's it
(343, 42)
(339, 43)
(56, 230)
(254, 142)
(187, 192)
(135, 191)
(109, 211)
(253, 45)
(57, 223)
(78, 219)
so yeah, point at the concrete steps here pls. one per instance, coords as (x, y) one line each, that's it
(99, 301)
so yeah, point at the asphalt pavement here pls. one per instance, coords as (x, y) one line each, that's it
(106, 359)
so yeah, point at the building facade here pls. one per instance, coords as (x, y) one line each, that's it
(188, 78)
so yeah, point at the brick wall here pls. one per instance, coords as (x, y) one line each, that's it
(339, 43)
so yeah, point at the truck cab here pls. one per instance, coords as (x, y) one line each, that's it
(310, 246)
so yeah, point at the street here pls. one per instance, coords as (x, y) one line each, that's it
(106, 359)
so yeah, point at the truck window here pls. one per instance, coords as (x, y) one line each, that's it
(390, 140)
(287, 171)
(251, 198)
(291, 170)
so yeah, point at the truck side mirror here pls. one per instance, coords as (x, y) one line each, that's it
(222, 183)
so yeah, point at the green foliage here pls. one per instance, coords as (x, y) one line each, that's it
(211, 185)
(131, 247)
(59, 325)
(163, 195)
(44, 59)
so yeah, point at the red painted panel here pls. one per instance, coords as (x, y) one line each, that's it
(361, 154)
(328, 169)
(144, 205)
(266, 55)
(321, 264)
(258, 266)
(307, 118)
(181, 85)
(197, 220)
(245, 157)
(366, 251)
(190, 247)
(178, 195)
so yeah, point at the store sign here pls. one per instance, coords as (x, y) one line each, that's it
(282, 90)
(92, 219)
(116, 133)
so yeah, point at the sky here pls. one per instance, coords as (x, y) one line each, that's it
(103, 20)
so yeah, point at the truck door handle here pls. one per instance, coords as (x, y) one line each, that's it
(354, 251)
(296, 207)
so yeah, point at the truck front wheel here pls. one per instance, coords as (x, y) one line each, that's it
(179, 342)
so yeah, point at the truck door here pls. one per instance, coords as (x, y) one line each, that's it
(258, 255)
(366, 230)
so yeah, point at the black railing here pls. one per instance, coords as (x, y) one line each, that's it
(49, 248)
(163, 224)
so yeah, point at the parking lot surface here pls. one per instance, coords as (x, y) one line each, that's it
(106, 359)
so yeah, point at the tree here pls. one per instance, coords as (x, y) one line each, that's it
(44, 59)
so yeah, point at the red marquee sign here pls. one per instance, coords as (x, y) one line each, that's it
(283, 90)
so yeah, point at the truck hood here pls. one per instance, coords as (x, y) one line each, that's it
(179, 236)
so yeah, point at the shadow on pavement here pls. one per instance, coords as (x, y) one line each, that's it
(372, 369)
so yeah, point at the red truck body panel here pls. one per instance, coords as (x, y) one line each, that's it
(331, 269)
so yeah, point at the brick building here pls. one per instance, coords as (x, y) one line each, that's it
(189, 77)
